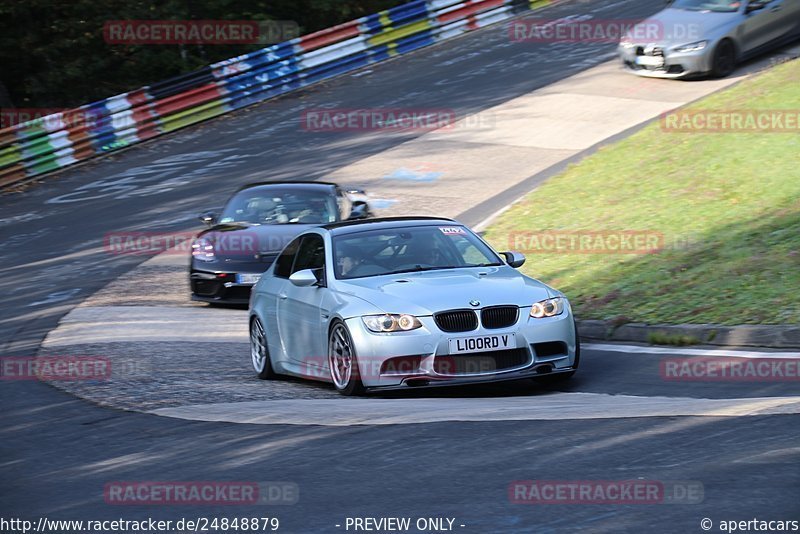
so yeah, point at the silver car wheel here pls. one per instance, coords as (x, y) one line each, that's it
(340, 357)
(258, 346)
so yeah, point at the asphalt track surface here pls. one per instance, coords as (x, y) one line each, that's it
(58, 452)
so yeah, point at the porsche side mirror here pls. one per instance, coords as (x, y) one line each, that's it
(359, 211)
(514, 259)
(209, 218)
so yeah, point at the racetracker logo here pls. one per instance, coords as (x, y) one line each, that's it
(201, 493)
(239, 243)
(382, 119)
(51, 119)
(577, 30)
(210, 32)
(730, 369)
(732, 121)
(605, 492)
(51, 368)
(587, 242)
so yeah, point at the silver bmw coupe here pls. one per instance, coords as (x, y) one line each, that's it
(406, 302)
(697, 37)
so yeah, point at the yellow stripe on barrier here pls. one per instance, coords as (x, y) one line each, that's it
(535, 4)
(398, 33)
(10, 155)
(193, 115)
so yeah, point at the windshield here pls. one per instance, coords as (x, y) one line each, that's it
(272, 205)
(398, 250)
(722, 6)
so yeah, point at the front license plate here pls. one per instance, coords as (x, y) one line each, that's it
(464, 345)
(650, 61)
(247, 278)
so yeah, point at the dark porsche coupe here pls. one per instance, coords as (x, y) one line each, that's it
(229, 257)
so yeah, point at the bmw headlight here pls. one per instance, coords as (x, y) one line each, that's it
(692, 47)
(548, 308)
(391, 322)
(203, 249)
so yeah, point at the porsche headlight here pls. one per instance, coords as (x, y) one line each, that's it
(391, 322)
(626, 44)
(548, 308)
(692, 47)
(203, 249)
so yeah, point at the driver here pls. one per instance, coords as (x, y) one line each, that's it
(347, 260)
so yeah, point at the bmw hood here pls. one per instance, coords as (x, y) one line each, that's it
(674, 27)
(425, 293)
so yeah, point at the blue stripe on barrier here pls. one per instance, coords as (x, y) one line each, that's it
(372, 25)
(409, 12)
(414, 42)
(355, 61)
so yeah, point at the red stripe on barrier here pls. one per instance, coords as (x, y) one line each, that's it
(329, 36)
(470, 9)
(188, 99)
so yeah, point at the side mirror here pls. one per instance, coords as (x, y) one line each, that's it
(514, 259)
(755, 6)
(304, 278)
(360, 210)
(209, 218)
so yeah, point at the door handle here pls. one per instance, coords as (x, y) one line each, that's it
(775, 8)
(282, 296)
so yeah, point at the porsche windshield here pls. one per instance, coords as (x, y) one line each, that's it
(722, 6)
(398, 250)
(271, 205)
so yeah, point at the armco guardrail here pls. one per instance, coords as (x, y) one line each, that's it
(53, 142)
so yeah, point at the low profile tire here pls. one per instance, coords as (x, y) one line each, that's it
(563, 377)
(259, 353)
(724, 60)
(342, 361)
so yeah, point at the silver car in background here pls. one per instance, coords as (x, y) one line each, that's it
(701, 37)
(406, 302)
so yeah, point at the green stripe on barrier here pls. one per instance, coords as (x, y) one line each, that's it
(399, 33)
(191, 116)
(45, 164)
(38, 147)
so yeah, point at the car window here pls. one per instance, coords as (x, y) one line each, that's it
(275, 205)
(311, 254)
(283, 265)
(421, 248)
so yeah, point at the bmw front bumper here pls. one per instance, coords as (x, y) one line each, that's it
(422, 357)
(660, 62)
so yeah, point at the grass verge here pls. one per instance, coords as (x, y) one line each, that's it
(724, 207)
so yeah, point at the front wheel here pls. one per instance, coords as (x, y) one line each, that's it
(259, 353)
(342, 361)
(724, 61)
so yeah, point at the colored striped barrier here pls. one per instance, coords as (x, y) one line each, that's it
(40, 146)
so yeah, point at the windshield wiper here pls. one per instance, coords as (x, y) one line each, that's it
(420, 268)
